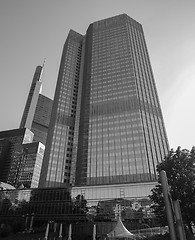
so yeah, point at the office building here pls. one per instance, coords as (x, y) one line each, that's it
(106, 133)
(31, 103)
(37, 111)
(11, 155)
(41, 119)
(21, 150)
(20, 158)
(33, 157)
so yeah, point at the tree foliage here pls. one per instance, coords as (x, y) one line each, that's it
(80, 205)
(179, 166)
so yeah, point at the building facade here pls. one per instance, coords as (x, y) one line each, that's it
(59, 146)
(40, 123)
(33, 157)
(31, 103)
(22, 150)
(107, 126)
(20, 158)
(11, 156)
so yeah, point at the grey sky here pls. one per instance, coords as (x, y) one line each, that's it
(33, 30)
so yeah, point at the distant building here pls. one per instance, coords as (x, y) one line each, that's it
(31, 103)
(37, 111)
(41, 119)
(33, 157)
(5, 146)
(20, 158)
(11, 153)
(22, 150)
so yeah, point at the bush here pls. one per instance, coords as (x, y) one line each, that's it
(5, 230)
(18, 226)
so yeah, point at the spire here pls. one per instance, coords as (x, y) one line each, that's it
(42, 67)
(43, 62)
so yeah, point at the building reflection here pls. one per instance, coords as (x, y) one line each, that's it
(56, 206)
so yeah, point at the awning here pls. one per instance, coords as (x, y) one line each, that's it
(120, 231)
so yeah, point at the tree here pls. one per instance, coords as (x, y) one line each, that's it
(179, 166)
(80, 205)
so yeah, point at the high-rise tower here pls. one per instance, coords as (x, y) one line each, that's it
(57, 159)
(107, 126)
(37, 111)
(42, 114)
(20, 158)
(32, 99)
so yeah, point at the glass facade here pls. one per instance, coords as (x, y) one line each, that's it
(107, 125)
(11, 154)
(32, 163)
(34, 209)
(37, 112)
(20, 158)
(40, 123)
(45, 204)
(32, 99)
(97, 193)
(57, 160)
(54, 204)
(122, 135)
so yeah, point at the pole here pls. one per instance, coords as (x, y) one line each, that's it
(168, 207)
(31, 222)
(46, 232)
(180, 227)
(26, 222)
(60, 232)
